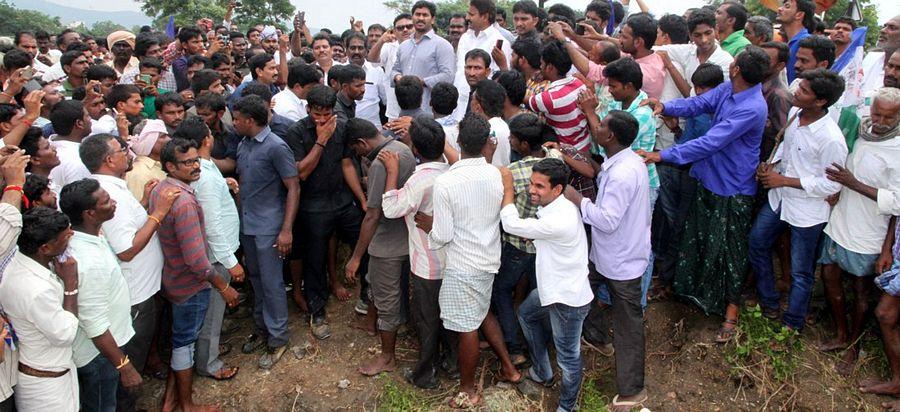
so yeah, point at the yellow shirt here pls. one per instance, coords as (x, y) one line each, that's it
(144, 170)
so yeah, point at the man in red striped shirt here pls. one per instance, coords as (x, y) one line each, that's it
(187, 273)
(559, 103)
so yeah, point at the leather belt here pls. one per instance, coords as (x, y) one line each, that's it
(28, 370)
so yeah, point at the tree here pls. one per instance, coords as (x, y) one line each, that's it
(186, 12)
(13, 20)
(273, 12)
(102, 29)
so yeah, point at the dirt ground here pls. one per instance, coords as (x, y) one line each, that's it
(685, 371)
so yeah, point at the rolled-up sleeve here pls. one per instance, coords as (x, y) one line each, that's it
(834, 152)
(442, 225)
(93, 299)
(398, 203)
(10, 227)
(527, 228)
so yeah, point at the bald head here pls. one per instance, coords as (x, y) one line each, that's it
(889, 37)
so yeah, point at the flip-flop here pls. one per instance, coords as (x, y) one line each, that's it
(616, 403)
(463, 401)
(726, 334)
(226, 373)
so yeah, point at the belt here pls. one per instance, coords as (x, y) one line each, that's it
(37, 373)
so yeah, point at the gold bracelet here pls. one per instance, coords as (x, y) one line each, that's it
(155, 219)
(224, 289)
(124, 362)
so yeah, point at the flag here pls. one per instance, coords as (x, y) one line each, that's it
(853, 11)
(170, 27)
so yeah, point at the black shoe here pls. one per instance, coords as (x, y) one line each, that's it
(320, 328)
(431, 383)
(771, 313)
(253, 343)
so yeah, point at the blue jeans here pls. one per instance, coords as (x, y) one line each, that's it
(564, 325)
(264, 269)
(97, 383)
(187, 319)
(513, 264)
(647, 277)
(765, 231)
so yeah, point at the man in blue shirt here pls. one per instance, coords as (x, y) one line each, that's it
(797, 18)
(724, 162)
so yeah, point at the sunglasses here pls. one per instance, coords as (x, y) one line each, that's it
(404, 27)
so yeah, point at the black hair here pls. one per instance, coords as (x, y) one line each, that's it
(120, 93)
(257, 89)
(253, 107)
(619, 12)
(458, 16)
(500, 12)
(847, 21)
(409, 90)
(529, 49)
(822, 48)
(17, 39)
(236, 35)
(354, 35)
(424, 4)
(555, 53)
(62, 35)
(707, 75)
(376, 26)
(321, 36)
(350, 73)
(168, 99)
(825, 84)
(172, 149)
(65, 114)
(30, 141)
(77, 197)
(212, 101)
(753, 64)
(513, 83)
(610, 52)
(192, 128)
(427, 137)
(335, 75)
(143, 42)
(335, 40)
(39, 226)
(101, 71)
(357, 128)
(644, 27)
(490, 96)
(555, 169)
(251, 30)
(303, 74)
(738, 11)
(402, 16)
(676, 27)
(808, 7)
(322, 97)
(93, 150)
(762, 26)
(623, 125)
(474, 130)
(34, 187)
(259, 61)
(560, 9)
(203, 79)
(702, 16)
(625, 71)
(152, 63)
(478, 54)
(188, 33)
(528, 128)
(485, 7)
(527, 7)
(783, 50)
(218, 59)
(600, 8)
(444, 98)
(41, 35)
(16, 59)
(79, 47)
(68, 57)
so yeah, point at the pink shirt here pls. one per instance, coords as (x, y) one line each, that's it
(652, 67)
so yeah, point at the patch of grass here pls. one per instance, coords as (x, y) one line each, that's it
(765, 346)
(397, 397)
(591, 398)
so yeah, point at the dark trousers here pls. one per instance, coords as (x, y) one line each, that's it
(98, 382)
(513, 264)
(143, 320)
(9, 404)
(628, 334)
(317, 229)
(270, 311)
(432, 336)
(676, 194)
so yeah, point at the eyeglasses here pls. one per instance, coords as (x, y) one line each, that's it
(404, 27)
(189, 162)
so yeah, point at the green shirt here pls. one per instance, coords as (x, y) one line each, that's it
(521, 171)
(735, 43)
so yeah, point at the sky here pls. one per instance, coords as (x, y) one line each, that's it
(336, 14)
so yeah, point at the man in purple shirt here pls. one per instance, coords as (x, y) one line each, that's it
(724, 161)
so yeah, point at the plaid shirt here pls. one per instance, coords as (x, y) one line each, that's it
(521, 172)
(535, 85)
(646, 137)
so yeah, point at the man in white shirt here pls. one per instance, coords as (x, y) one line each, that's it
(71, 124)
(563, 293)
(620, 246)
(859, 221)
(291, 102)
(43, 305)
(384, 54)
(873, 63)
(480, 35)
(703, 49)
(375, 95)
(466, 225)
(487, 100)
(797, 190)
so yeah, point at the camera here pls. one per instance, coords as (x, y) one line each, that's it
(224, 38)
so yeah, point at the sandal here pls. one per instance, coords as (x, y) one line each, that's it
(226, 373)
(725, 334)
(618, 405)
(462, 400)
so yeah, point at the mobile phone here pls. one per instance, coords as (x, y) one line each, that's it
(146, 79)
(97, 88)
(301, 17)
(224, 38)
(499, 44)
(28, 73)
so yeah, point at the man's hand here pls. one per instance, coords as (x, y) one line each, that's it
(351, 268)
(588, 102)
(842, 175)
(229, 295)
(573, 196)
(13, 168)
(649, 157)
(166, 200)
(671, 122)
(556, 30)
(233, 185)
(390, 160)
(769, 178)
(400, 125)
(508, 181)
(131, 379)
(589, 31)
(356, 25)
(284, 42)
(833, 199)
(237, 273)
(654, 104)
(16, 82)
(499, 58)
(424, 222)
(90, 91)
(148, 188)
(388, 37)
(33, 103)
(283, 243)
(324, 130)
(187, 95)
(67, 272)
(884, 262)
(122, 123)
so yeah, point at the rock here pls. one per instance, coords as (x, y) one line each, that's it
(343, 384)
(672, 396)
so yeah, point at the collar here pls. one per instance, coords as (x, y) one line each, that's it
(207, 164)
(412, 112)
(179, 184)
(113, 180)
(430, 35)
(616, 158)
(95, 240)
(344, 100)
(433, 166)
(746, 94)
(637, 101)
(817, 125)
(551, 207)
(33, 266)
(484, 33)
(800, 34)
(261, 136)
(733, 37)
(472, 161)
(562, 82)
(448, 120)
(374, 153)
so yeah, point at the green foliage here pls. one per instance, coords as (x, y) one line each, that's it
(13, 19)
(395, 397)
(764, 347)
(591, 398)
(186, 12)
(101, 29)
(274, 12)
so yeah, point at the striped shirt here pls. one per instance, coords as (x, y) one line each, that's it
(559, 105)
(467, 216)
(187, 269)
(521, 171)
(416, 196)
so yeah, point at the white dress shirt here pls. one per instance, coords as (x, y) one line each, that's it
(805, 153)
(858, 223)
(106, 124)
(500, 131)
(290, 106)
(470, 40)
(620, 217)
(467, 216)
(686, 56)
(70, 168)
(376, 84)
(144, 272)
(386, 61)
(221, 222)
(561, 262)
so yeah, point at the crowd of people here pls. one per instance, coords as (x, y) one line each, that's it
(499, 185)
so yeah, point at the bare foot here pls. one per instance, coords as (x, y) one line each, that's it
(378, 365)
(465, 400)
(340, 291)
(880, 387)
(300, 300)
(847, 363)
(364, 325)
(511, 377)
(832, 345)
(891, 406)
